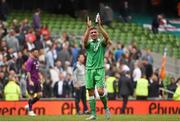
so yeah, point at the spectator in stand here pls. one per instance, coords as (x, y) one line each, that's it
(12, 90)
(124, 67)
(137, 73)
(49, 57)
(64, 55)
(75, 52)
(109, 55)
(15, 25)
(124, 11)
(1, 58)
(3, 30)
(176, 95)
(36, 20)
(1, 89)
(3, 46)
(54, 71)
(156, 23)
(21, 39)
(64, 37)
(11, 40)
(142, 88)
(22, 82)
(59, 88)
(171, 87)
(12, 63)
(72, 39)
(135, 53)
(4, 10)
(25, 55)
(10, 54)
(148, 56)
(30, 38)
(107, 67)
(3, 81)
(54, 75)
(110, 86)
(79, 84)
(47, 89)
(58, 65)
(44, 31)
(154, 85)
(68, 85)
(19, 62)
(119, 52)
(106, 14)
(147, 62)
(39, 43)
(3, 76)
(125, 89)
(25, 26)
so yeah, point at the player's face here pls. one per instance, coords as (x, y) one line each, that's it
(94, 34)
(35, 53)
(81, 58)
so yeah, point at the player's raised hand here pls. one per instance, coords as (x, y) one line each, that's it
(89, 22)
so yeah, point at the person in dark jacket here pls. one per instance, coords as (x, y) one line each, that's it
(154, 86)
(155, 24)
(59, 86)
(171, 87)
(125, 89)
(36, 20)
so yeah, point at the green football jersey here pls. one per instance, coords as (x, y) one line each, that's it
(95, 51)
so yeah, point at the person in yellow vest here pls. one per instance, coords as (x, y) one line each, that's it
(176, 95)
(110, 80)
(12, 90)
(141, 91)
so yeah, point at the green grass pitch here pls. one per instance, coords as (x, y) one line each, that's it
(99, 118)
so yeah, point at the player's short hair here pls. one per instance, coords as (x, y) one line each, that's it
(93, 28)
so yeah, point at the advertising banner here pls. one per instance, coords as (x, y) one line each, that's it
(68, 107)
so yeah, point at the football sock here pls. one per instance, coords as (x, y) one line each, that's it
(34, 100)
(104, 100)
(92, 103)
(31, 102)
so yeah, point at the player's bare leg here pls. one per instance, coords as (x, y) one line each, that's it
(103, 98)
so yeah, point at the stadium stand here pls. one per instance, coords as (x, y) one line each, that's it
(123, 32)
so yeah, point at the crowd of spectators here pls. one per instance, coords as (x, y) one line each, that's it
(59, 54)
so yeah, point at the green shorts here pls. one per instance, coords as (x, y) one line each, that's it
(95, 77)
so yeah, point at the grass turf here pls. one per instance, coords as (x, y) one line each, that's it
(99, 118)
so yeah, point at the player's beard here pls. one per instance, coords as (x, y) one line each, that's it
(94, 37)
